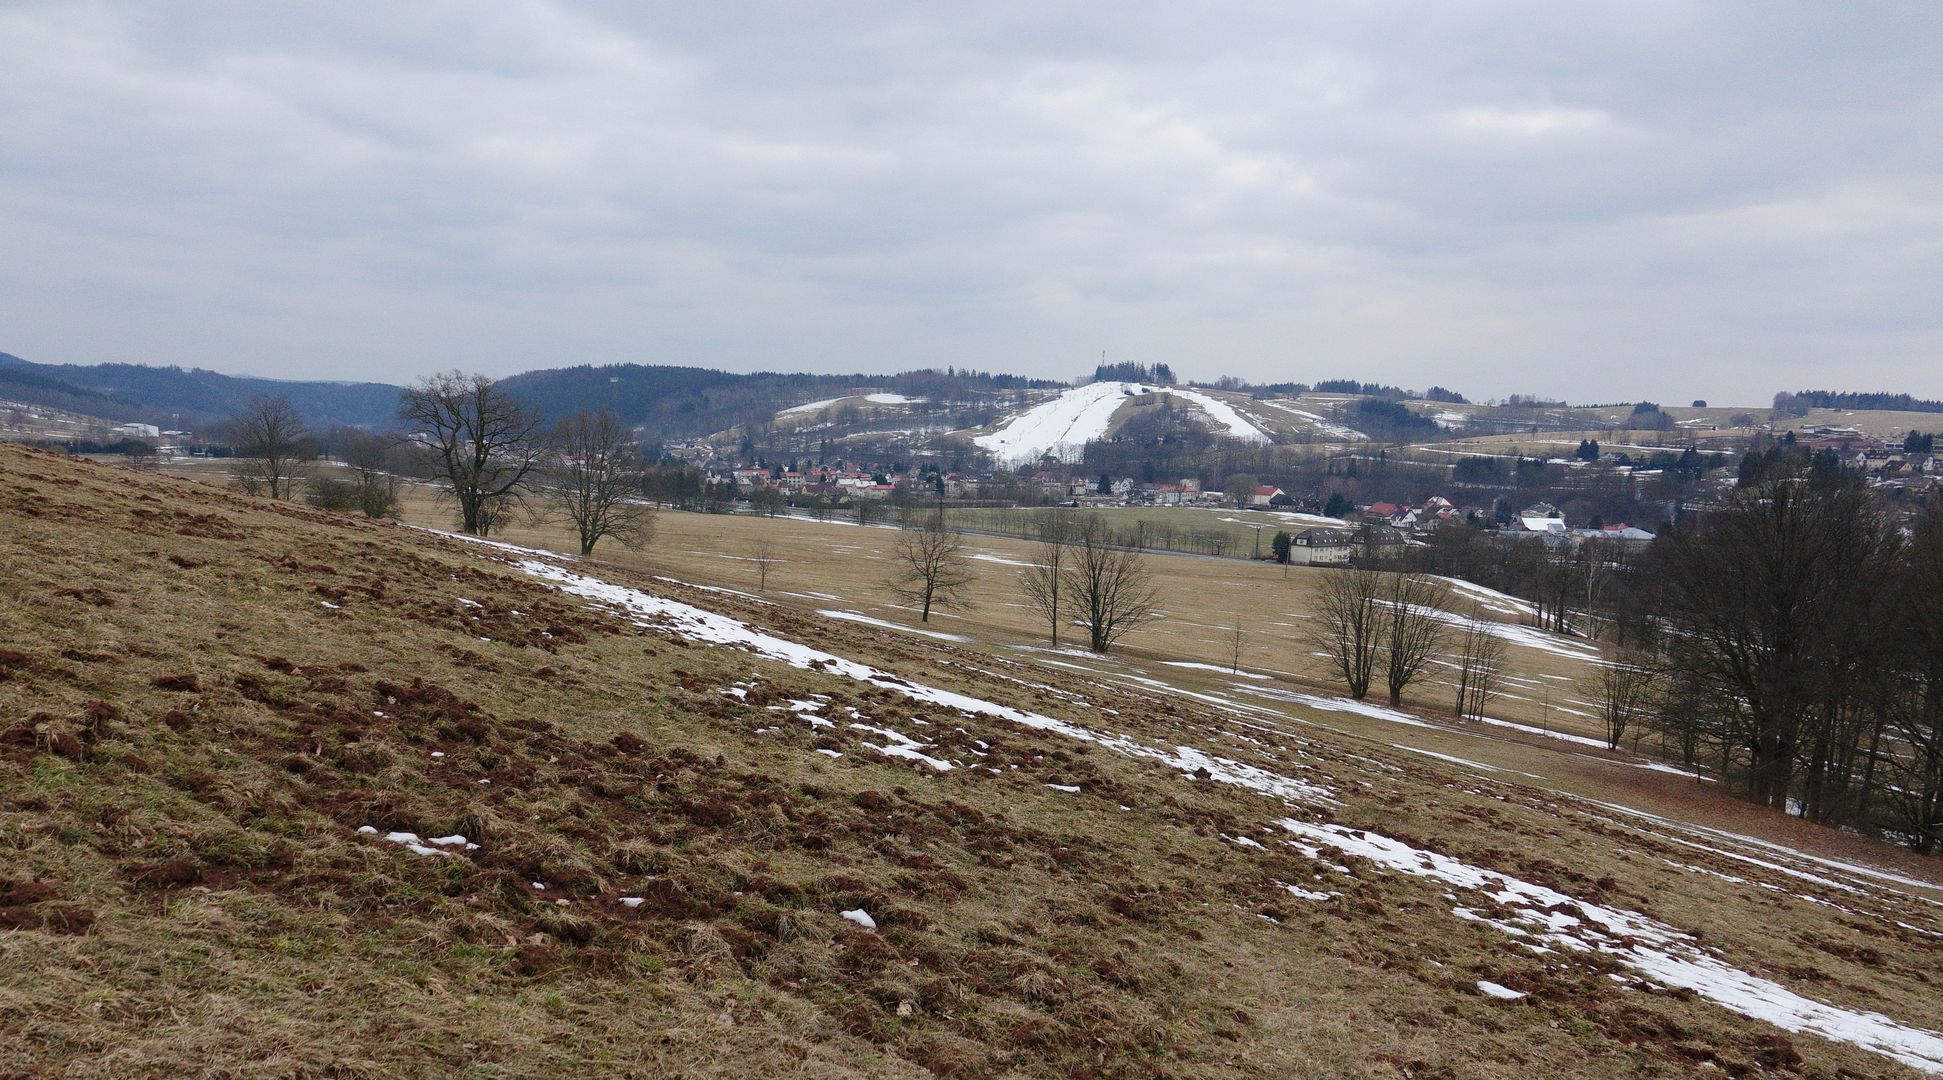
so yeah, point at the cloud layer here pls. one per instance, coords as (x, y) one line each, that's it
(1667, 200)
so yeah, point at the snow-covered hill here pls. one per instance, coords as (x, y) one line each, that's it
(1062, 425)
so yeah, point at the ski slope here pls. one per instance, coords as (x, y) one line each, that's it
(1064, 424)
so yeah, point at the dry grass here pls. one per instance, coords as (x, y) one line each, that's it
(188, 893)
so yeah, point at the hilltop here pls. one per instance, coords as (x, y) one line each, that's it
(291, 793)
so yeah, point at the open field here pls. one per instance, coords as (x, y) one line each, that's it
(1075, 865)
(1188, 530)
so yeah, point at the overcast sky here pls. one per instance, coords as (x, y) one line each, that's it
(1666, 200)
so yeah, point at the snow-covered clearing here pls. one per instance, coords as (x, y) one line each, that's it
(1545, 919)
(851, 616)
(1064, 424)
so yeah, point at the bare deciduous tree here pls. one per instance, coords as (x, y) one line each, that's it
(931, 568)
(375, 465)
(1415, 627)
(1627, 687)
(765, 558)
(1480, 666)
(1349, 626)
(1044, 580)
(1111, 588)
(1234, 639)
(271, 445)
(592, 480)
(485, 444)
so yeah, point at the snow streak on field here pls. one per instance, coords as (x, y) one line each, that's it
(1545, 919)
(857, 617)
(1064, 424)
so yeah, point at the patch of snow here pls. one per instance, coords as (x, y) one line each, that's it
(411, 842)
(1222, 413)
(903, 746)
(1502, 603)
(1215, 667)
(851, 616)
(986, 557)
(860, 917)
(812, 406)
(1321, 423)
(632, 901)
(1502, 993)
(1070, 789)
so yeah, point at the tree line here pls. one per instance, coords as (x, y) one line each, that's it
(491, 457)
(1795, 638)
(1801, 401)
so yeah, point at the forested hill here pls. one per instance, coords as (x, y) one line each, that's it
(30, 383)
(668, 402)
(679, 402)
(191, 397)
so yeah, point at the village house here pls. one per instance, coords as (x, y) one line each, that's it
(1322, 546)
(1540, 518)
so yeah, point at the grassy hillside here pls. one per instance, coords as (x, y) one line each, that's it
(675, 793)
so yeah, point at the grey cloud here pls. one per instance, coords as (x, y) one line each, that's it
(1659, 199)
